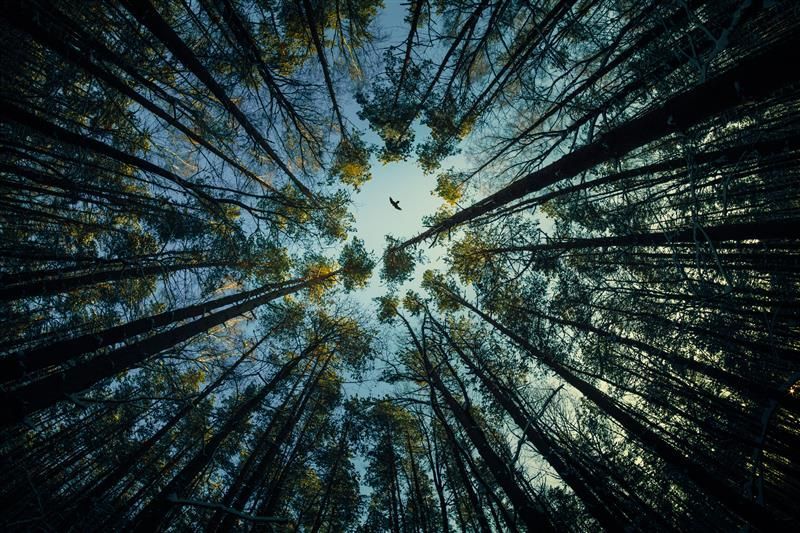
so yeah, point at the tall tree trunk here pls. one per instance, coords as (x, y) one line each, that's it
(699, 474)
(764, 231)
(745, 386)
(533, 518)
(125, 464)
(533, 433)
(58, 352)
(57, 285)
(308, 15)
(249, 470)
(27, 17)
(331, 478)
(251, 51)
(270, 455)
(154, 515)
(12, 113)
(20, 402)
(753, 77)
(147, 14)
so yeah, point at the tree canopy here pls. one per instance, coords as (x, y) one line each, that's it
(597, 329)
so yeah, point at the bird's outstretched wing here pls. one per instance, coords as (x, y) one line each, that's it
(395, 204)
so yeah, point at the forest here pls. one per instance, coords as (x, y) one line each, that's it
(208, 324)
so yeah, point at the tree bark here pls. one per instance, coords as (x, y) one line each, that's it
(147, 14)
(533, 433)
(58, 352)
(753, 77)
(531, 516)
(704, 479)
(154, 515)
(20, 402)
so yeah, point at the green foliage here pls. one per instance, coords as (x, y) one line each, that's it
(398, 264)
(387, 307)
(467, 257)
(357, 264)
(349, 338)
(412, 302)
(351, 162)
(267, 261)
(333, 218)
(321, 271)
(390, 123)
(440, 289)
(448, 187)
(446, 132)
(606, 338)
(389, 113)
(444, 212)
(286, 318)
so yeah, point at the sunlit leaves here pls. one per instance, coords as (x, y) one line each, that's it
(351, 162)
(441, 291)
(442, 213)
(320, 270)
(413, 303)
(334, 219)
(448, 187)
(387, 307)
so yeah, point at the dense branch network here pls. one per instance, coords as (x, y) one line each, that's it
(608, 342)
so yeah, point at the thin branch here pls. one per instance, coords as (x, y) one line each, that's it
(209, 505)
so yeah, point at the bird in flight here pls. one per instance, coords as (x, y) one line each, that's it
(395, 203)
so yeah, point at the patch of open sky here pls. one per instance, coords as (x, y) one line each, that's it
(375, 218)
(403, 181)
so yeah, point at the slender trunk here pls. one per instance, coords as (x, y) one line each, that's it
(753, 77)
(422, 512)
(147, 14)
(17, 404)
(435, 466)
(308, 14)
(57, 285)
(764, 231)
(153, 516)
(10, 112)
(533, 518)
(331, 478)
(277, 484)
(538, 33)
(251, 51)
(25, 17)
(251, 468)
(120, 509)
(269, 456)
(29, 276)
(467, 28)
(544, 445)
(731, 499)
(416, 7)
(745, 386)
(125, 464)
(641, 43)
(773, 150)
(394, 485)
(58, 352)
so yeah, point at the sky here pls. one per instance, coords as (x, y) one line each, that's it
(375, 217)
(403, 181)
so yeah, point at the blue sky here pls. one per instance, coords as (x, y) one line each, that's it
(375, 218)
(403, 181)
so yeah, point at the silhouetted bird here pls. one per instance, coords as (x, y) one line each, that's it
(395, 203)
